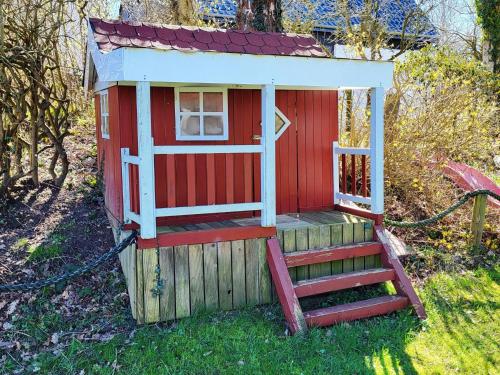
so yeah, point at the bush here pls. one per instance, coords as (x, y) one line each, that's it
(443, 107)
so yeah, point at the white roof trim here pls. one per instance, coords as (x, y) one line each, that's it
(160, 66)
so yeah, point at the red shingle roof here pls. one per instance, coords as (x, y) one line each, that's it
(111, 35)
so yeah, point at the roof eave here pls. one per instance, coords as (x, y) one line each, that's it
(141, 64)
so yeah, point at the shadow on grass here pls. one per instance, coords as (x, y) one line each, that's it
(249, 341)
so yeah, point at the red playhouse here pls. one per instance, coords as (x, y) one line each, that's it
(220, 148)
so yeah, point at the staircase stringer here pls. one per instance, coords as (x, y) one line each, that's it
(402, 283)
(284, 288)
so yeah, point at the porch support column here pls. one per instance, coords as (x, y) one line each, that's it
(146, 161)
(268, 157)
(377, 149)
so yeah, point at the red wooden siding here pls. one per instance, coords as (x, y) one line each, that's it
(303, 154)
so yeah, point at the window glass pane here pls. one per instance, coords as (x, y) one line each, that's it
(190, 125)
(279, 123)
(105, 125)
(214, 125)
(189, 101)
(212, 101)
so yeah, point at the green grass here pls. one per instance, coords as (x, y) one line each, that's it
(460, 336)
(44, 252)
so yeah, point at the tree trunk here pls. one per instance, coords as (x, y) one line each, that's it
(259, 15)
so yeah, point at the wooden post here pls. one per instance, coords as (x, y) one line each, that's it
(336, 180)
(377, 150)
(268, 162)
(478, 216)
(147, 200)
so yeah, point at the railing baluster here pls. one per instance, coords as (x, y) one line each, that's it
(364, 189)
(353, 174)
(344, 173)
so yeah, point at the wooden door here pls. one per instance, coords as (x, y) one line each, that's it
(304, 166)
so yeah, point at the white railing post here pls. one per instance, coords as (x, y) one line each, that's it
(377, 150)
(125, 152)
(335, 173)
(147, 200)
(268, 158)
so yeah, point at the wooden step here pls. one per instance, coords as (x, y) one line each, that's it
(356, 310)
(348, 280)
(303, 258)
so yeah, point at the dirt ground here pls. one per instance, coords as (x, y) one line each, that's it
(45, 231)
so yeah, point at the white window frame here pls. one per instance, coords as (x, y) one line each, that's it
(285, 120)
(202, 137)
(104, 112)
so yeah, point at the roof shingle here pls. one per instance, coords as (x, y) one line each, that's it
(111, 35)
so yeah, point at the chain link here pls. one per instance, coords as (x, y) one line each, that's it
(90, 266)
(441, 215)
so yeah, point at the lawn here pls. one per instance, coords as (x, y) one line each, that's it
(461, 336)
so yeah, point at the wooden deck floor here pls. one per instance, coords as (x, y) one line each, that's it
(283, 222)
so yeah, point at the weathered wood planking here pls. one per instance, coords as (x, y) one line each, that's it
(301, 244)
(265, 289)
(225, 275)
(252, 271)
(181, 264)
(140, 288)
(238, 273)
(336, 233)
(289, 245)
(151, 302)
(167, 298)
(196, 284)
(210, 272)
(234, 274)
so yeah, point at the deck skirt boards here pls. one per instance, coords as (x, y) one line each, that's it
(212, 276)
(223, 266)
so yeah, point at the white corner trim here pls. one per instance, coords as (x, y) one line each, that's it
(108, 66)
(336, 176)
(377, 149)
(147, 201)
(268, 158)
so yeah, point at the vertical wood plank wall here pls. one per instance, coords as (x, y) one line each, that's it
(232, 274)
(303, 154)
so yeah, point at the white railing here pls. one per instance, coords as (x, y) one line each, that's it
(128, 159)
(376, 153)
(338, 195)
(364, 197)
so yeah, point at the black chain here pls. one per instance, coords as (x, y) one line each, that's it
(90, 266)
(439, 216)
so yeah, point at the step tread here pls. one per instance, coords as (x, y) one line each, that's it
(355, 310)
(342, 281)
(331, 253)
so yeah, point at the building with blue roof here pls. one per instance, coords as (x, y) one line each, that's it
(401, 18)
